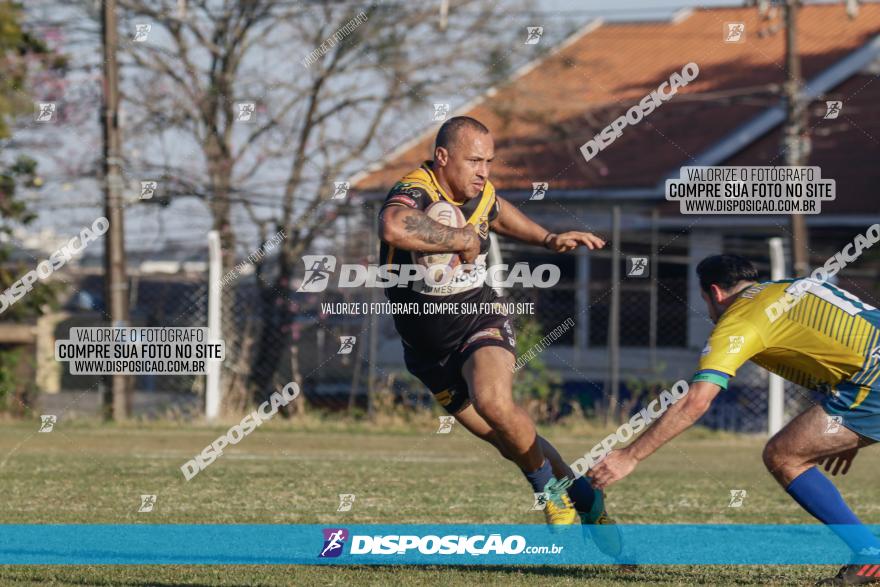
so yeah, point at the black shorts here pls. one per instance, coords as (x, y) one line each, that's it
(441, 374)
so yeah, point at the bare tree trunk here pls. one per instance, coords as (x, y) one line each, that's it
(318, 123)
(299, 407)
(355, 377)
(275, 315)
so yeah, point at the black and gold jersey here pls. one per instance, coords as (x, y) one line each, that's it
(418, 190)
(439, 334)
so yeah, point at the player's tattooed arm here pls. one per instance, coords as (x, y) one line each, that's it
(429, 230)
(413, 230)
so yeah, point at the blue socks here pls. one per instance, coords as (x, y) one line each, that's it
(583, 495)
(816, 494)
(581, 492)
(541, 477)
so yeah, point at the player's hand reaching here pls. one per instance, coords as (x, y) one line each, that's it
(566, 241)
(842, 459)
(614, 467)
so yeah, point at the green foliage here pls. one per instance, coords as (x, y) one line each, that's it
(16, 45)
(643, 390)
(7, 380)
(535, 383)
(21, 172)
(36, 302)
(12, 212)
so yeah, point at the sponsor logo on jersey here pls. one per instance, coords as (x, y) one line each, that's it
(735, 344)
(484, 226)
(402, 199)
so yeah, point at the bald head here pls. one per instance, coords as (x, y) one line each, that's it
(451, 131)
(463, 153)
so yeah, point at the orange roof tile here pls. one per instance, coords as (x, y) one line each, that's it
(541, 118)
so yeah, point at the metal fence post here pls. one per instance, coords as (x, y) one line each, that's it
(212, 383)
(613, 389)
(775, 387)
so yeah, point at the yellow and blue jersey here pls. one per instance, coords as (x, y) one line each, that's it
(823, 338)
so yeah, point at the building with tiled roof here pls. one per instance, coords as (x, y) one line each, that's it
(731, 114)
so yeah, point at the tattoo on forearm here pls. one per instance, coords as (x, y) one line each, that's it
(431, 231)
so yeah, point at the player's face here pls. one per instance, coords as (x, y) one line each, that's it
(466, 163)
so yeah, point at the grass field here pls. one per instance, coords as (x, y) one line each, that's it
(291, 473)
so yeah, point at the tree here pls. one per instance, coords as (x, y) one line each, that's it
(329, 85)
(20, 54)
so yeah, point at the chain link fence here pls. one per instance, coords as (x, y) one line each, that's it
(344, 361)
(156, 300)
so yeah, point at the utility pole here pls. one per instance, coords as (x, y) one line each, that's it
(795, 141)
(116, 402)
(612, 388)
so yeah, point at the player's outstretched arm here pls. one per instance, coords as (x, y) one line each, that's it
(513, 223)
(677, 418)
(413, 230)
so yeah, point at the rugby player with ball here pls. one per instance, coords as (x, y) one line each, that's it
(440, 215)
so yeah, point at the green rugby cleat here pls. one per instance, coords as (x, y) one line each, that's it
(602, 528)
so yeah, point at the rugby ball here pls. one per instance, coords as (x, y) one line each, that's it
(449, 215)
